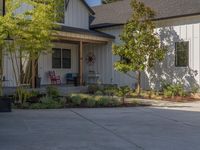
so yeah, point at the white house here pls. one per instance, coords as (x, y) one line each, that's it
(84, 44)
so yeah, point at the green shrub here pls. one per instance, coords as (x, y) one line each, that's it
(110, 91)
(99, 93)
(47, 103)
(103, 101)
(92, 89)
(172, 90)
(36, 106)
(52, 91)
(76, 100)
(24, 106)
(107, 101)
(90, 102)
(195, 89)
(123, 91)
(22, 95)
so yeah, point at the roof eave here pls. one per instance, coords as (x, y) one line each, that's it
(88, 7)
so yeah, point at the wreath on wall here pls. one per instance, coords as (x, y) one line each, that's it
(90, 59)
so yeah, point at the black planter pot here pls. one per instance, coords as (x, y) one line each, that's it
(5, 104)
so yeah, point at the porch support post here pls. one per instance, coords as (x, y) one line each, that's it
(81, 63)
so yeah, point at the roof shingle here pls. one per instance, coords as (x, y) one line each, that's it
(119, 12)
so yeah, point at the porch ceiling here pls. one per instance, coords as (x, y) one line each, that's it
(76, 34)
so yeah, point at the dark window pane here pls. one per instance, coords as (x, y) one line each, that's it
(56, 58)
(182, 54)
(66, 58)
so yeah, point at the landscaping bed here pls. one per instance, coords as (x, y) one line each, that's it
(99, 96)
(52, 100)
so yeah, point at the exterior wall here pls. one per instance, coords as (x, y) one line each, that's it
(103, 62)
(170, 31)
(45, 64)
(77, 15)
(8, 71)
(119, 78)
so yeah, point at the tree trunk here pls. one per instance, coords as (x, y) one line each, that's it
(139, 84)
(1, 71)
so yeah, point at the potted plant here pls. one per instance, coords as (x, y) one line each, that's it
(5, 104)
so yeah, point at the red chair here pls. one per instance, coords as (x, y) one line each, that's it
(54, 79)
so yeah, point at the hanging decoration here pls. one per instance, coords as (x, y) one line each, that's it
(90, 59)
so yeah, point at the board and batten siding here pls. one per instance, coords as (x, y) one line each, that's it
(102, 64)
(77, 15)
(45, 64)
(8, 72)
(170, 31)
(119, 78)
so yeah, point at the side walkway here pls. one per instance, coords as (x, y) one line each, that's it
(187, 106)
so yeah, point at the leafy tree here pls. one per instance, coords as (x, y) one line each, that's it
(109, 1)
(140, 48)
(31, 31)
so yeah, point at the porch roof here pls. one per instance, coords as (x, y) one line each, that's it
(78, 34)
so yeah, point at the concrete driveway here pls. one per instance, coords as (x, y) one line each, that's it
(100, 129)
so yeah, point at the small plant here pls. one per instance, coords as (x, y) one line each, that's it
(195, 89)
(103, 101)
(172, 90)
(92, 89)
(110, 91)
(47, 103)
(122, 92)
(99, 93)
(53, 91)
(22, 95)
(90, 102)
(76, 100)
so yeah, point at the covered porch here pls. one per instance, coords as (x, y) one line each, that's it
(84, 53)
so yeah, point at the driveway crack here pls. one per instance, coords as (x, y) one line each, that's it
(109, 130)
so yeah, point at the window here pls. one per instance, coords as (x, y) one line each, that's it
(182, 54)
(61, 58)
(66, 58)
(56, 58)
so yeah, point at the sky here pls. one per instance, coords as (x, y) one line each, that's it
(93, 2)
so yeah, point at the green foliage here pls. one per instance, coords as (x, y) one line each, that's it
(47, 103)
(52, 91)
(22, 95)
(92, 89)
(85, 100)
(76, 100)
(107, 102)
(195, 89)
(123, 91)
(31, 31)
(99, 93)
(90, 102)
(110, 90)
(172, 90)
(140, 48)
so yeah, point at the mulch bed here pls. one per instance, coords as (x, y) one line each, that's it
(180, 99)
